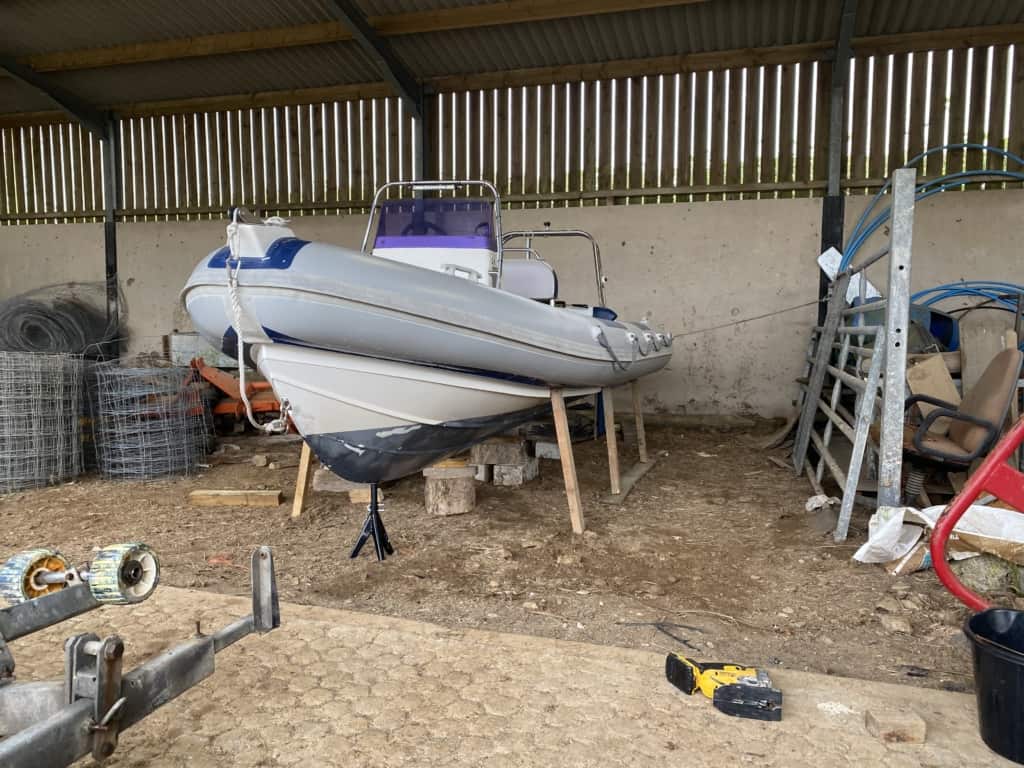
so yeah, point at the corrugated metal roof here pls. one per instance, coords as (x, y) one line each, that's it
(637, 34)
(388, 7)
(886, 17)
(41, 26)
(256, 71)
(44, 26)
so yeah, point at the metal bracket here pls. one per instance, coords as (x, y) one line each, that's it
(92, 671)
(266, 608)
(6, 663)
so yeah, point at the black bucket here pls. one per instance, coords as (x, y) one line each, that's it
(997, 636)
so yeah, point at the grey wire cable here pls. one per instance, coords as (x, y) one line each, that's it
(745, 320)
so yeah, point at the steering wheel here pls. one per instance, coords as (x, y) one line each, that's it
(483, 228)
(426, 227)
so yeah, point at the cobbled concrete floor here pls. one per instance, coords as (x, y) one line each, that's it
(336, 688)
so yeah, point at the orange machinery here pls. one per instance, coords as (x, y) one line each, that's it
(265, 405)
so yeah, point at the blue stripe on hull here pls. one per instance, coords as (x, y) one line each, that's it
(280, 255)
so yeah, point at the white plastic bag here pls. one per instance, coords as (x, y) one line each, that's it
(889, 537)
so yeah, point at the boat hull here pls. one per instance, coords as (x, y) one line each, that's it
(372, 420)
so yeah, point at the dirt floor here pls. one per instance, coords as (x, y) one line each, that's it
(712, 554)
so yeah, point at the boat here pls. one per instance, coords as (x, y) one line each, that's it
(438, 333)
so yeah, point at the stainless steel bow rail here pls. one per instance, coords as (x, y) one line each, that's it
(55, 723)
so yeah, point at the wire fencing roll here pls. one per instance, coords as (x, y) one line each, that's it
(148, 422)
(65, 318)
(40, 419)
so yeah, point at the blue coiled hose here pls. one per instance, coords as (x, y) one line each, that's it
(867, 226)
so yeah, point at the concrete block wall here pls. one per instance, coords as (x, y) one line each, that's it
(733, 280)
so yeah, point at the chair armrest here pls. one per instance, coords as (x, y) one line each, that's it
(950, 413)
(928, 399)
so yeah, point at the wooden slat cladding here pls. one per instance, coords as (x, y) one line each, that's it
(740, 133)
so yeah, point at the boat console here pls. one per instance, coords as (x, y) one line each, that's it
(462, 236)
(455, 236)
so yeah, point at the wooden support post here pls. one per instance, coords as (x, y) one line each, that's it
(303, 479)
(609, 436)
(638, 416)
(572, 488)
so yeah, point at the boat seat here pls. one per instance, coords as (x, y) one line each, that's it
(530, 278)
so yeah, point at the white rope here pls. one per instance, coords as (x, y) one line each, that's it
(280, 424)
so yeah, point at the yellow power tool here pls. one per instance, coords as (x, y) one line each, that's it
(733, 689)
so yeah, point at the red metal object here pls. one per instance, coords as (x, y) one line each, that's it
(994, 476)
(260, 394)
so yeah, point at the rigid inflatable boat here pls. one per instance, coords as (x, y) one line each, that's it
(428, 340)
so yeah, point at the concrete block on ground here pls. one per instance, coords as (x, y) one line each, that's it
(500, 450)
(516, 474)
(449, 491)
(325, 481)
(546, 449)
(895, 726)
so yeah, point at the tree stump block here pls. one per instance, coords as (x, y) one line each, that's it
(449, 490)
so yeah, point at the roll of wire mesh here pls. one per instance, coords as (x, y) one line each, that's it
(148, 422)
(40, 419)
(66, 318)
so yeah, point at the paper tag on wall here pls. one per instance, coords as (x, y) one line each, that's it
(829, 262)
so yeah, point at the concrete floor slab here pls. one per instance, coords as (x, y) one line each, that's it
(336, 688)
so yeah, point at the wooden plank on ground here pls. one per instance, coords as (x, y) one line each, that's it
(629, 479)
(235, 498)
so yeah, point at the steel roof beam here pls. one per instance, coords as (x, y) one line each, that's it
(85, 113)
(379, 50)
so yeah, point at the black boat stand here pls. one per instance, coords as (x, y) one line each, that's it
(373, 526)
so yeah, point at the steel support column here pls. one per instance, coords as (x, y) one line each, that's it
(423, 146)
(111, 205)
(103, 126)
(833, 205)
